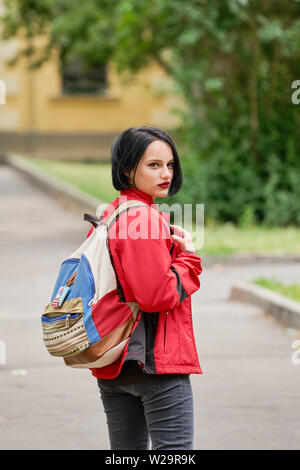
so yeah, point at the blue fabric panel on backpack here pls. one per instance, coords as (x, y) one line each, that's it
(68, 267)
(84, 287)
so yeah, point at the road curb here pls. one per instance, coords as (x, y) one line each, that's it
(283, 309)
(248, 258)
(69, 195)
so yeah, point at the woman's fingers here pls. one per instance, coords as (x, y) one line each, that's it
(185, 243)
(178, 230)
(183, 238)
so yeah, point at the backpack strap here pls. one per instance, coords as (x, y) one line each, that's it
(95, 221)
(124, 207)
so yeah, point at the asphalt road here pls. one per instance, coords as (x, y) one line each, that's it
(247, 398)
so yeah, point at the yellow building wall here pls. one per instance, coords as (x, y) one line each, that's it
(37, 114)
(138, 103)
(11, 111)
(35, 101)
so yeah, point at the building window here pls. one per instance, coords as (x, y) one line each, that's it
(78, 79)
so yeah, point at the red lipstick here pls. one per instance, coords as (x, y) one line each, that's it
(164, 185)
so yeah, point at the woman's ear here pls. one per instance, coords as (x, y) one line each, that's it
(129, 175)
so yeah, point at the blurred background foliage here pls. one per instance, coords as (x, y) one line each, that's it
(232, 61)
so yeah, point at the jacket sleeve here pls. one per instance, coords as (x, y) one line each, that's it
(157, 283)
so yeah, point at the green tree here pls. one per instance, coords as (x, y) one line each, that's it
(68, 31)
(233, 62)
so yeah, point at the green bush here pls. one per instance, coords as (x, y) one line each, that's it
(235, 179)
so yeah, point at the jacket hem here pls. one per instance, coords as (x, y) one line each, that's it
(159, 370)
(178, 369)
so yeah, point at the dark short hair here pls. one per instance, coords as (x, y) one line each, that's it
(127, 150)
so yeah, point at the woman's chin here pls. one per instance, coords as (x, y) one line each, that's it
(161, 192)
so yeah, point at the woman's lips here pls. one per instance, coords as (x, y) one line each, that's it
(164, 185)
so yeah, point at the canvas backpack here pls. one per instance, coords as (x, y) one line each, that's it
(77, 323)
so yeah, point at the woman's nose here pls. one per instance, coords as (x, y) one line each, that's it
(166, 171)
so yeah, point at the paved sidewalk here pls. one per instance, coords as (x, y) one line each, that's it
(247, 397)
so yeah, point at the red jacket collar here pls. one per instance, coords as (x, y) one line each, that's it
(137, 194)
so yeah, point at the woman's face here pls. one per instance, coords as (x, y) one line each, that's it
(155, 167)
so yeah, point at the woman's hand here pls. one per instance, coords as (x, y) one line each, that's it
(183, 238)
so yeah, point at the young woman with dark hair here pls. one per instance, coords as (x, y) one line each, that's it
(147, 393)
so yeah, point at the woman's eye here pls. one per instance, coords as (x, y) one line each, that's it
(170, 164)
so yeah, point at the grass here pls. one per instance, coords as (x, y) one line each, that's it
(289, 290)
(95, 179)
(92, 178)
(228, 239)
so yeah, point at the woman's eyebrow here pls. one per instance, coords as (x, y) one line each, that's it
(158, 160)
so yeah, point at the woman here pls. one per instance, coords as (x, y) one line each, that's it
(147, 392)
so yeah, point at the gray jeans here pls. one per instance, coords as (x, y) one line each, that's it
(160, 408)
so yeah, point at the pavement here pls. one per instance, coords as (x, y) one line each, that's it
(247, 397)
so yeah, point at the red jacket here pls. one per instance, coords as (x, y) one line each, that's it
(154, 273)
